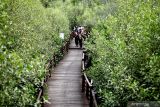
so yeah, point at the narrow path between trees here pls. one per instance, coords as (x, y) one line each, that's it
(64, 86)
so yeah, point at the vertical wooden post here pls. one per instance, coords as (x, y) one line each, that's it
(87, 90)
(68, 45)
(42, 104)
(83, 83)
(91, 98)
(54, 59)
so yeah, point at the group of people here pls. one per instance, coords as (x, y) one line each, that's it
(79, 34)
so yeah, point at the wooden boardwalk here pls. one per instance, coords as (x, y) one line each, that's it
(64, 86)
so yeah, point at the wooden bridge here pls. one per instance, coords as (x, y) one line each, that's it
(64, 85)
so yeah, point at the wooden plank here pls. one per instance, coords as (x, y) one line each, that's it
(64, 87)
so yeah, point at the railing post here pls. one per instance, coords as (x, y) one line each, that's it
(63, 49)
(67, 45)
(42, 104)
(91, 98)
(54, 59)
(87, 90)
(83, 83)
(50, 67)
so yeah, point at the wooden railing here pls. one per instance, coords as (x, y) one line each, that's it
(51, 63)
(87, 87)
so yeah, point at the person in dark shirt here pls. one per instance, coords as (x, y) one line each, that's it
(80, 38)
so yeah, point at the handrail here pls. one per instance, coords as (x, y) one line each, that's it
(90, 85)
(40, 94)
(63, 50)
(94, 99)
(87, 86)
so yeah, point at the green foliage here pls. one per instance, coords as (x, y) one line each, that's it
(126, 54)
(29, 36)
(125, 46)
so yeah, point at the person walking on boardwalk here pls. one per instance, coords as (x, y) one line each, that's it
(76, 39)
(80, 38)
(74, 34)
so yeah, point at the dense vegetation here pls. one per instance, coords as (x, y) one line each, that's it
(125, 50)
(124, 45)
(29, 36)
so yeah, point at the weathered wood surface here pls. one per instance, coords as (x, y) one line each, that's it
(64, 86)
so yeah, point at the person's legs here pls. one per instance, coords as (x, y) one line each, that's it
(76, 41)
(80, 43)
